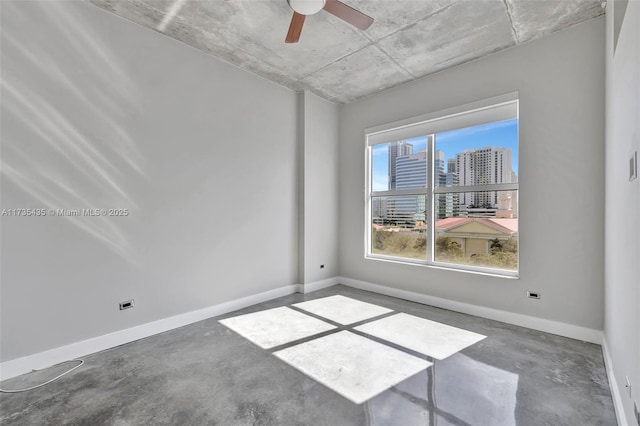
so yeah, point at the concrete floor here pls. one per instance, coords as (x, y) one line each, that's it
(206, 374)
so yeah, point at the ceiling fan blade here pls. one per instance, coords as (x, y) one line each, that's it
(348, 14)
(295, 28)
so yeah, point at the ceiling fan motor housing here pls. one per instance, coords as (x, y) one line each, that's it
(307, 7)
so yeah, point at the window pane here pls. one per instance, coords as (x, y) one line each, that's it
(399, 165)
(479, 155)
(482, 236)
(398, 226)
(380, 167)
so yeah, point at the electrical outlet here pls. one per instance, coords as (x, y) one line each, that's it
(127, 304)
(533, 295)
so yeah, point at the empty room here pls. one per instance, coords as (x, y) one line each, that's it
(320, 212)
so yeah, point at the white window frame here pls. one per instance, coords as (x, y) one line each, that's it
(494, 109)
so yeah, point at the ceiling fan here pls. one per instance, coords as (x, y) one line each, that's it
(302, 8)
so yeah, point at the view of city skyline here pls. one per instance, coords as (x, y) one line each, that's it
(503, 134)
(469, 227)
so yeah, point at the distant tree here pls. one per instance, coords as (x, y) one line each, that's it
(511, 246)
(398, 242)
(502, 255)
(502, 259)
(407, 244)
(448, 251)
(379, 238)
(495, 245)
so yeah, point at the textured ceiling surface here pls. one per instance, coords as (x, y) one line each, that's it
(408, 39)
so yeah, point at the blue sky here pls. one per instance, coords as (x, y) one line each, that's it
(499, 134)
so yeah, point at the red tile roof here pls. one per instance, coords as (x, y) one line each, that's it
(450, 222)
(508, 223)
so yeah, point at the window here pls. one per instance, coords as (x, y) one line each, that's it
(442, 189)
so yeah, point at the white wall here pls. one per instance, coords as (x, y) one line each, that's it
(320, 182)
(560, 80)
(101, 113)
(622, 243)
(98, 112)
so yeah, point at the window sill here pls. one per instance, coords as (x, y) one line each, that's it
(497, 273)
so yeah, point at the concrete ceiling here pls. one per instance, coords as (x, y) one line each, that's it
(408, 40)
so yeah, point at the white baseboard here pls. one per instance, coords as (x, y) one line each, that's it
(319, 285)
(613, 385)
(16, 367)
(540, 324)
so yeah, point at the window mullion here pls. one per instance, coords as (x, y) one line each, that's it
(368, 197)
(477, 188)
(398, 192)
(430, 222)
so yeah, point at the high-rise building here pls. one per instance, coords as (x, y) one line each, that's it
(452, 165)
(440, 177)
(379, 210)
(451, 199)
(397, 149)
(439, 163)
(446, 205)
(485, 166)
(411, 173)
